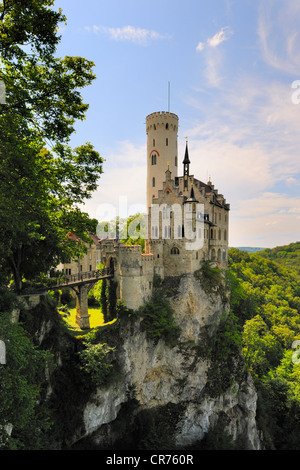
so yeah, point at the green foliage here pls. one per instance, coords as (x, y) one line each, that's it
(211, 278)
(131, 231)
(20, 385)
(158, 320)
(265, 299)
(41, 190)
(96, 360)
(103, 300)
(288, 255)
(223, 349)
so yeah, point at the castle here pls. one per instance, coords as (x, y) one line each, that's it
(186, 222)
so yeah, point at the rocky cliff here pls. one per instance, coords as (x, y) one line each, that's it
(173, 396)
(164, 391)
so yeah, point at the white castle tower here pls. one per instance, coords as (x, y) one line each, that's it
(162, 150)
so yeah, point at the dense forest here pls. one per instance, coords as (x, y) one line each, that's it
(266, 304)
(288, 256)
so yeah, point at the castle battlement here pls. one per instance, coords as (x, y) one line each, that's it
(130, 248)
(146, 257)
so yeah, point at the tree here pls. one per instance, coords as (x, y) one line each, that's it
(42, 179)
(19, 384)
(261, 348)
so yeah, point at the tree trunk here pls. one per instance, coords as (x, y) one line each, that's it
(16, 270)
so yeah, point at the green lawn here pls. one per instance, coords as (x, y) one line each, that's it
(96, 319)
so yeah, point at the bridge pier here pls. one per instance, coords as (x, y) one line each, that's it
(82, 311)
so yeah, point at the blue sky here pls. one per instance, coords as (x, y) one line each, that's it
(232, 65)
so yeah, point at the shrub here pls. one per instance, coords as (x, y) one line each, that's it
(158, 320)
(96, 361)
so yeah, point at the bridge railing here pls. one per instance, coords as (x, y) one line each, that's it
(65, 279)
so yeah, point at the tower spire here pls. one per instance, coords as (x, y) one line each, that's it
(186, 162)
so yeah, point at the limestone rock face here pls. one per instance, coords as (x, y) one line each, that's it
(156, 376)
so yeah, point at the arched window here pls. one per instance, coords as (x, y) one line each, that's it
(153, 159)
(167, 126)
(175, 251)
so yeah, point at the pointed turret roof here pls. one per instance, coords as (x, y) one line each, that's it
(186, 156)
(192, 197)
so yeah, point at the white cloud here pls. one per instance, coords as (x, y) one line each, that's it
(268, 220)
(122, 183)
(213, 56)
(278, 31)
(200, 47)
(216, 40)
(214, 61)
(127, 33)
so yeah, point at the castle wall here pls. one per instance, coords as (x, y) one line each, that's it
(135, 274)
(88, 262)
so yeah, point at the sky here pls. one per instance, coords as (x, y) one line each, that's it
(234, 73)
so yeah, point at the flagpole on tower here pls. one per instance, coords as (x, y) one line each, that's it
(169, 96)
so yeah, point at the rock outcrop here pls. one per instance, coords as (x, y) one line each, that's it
(170, 389)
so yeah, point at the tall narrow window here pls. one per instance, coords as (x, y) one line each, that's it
(153, 182)
(153, 142)
(167, 142)
(153, 159)
(176, 161)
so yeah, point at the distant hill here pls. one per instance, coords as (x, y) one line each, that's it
(249, 249)
(287, 255)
